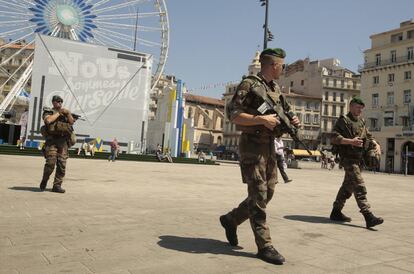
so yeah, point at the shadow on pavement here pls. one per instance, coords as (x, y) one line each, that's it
(25, 188)
(317, 220)
(201, 245)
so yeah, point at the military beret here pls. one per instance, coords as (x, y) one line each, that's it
(276, 52)
(56, 98)
(357, 100)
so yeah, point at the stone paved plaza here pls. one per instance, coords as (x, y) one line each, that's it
(139, 217)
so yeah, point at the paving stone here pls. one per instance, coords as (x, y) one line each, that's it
(139, 217)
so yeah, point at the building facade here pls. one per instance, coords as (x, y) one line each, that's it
(308, 110)
(207, 115)
(324, 79)
(387, 88)
(165, 82)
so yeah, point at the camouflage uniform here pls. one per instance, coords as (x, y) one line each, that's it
(257, 156)
(56, 153)
(351, 158)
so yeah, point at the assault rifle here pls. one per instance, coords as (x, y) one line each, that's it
(270, 107)
(75, 116)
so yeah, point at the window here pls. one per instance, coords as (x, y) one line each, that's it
(342, 110)
(396, 37)
(325, 124)
(327, 81)
(298, 104)
(354, 84)
(325, 110)
(388, 118)
(316, 119)
(308, 105)
(307, 118)
(334, 122)
(374, 123)
(410, 34)
(390, 98)
(375, 100)
(378, 59)
(342, 97)
(342, 83)
(407, 96)
(335, 82)
(405, 121)
(190, 113)
(302, 82)
(407, 75)
(334, 97)
(375, 80)
(410, 53)
(326, 96)
(391, 77)
(334, 110)
(316, 106)
(291, 83)
(393, 56)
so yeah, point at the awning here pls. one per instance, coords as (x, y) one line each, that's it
(302, 152)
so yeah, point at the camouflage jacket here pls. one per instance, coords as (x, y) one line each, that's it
(350, 127)
(59, 131)
(248, 98)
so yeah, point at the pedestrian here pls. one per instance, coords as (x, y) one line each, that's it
(58, 123)
(201, 157)
(23, 127)
(349, 134)
(257, 152)
(114, 150)
(280, 159)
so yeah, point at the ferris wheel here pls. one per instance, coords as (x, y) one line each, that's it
(137, 25)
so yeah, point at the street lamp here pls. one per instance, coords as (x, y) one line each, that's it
(266, 30)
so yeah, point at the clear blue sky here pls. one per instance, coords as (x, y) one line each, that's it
(213, 41)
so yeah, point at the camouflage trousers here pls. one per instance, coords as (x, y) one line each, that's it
(352, 184)
(56, 155)
(261, 178)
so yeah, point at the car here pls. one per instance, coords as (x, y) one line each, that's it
(307, 159)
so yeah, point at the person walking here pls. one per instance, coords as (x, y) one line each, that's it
(280, 159)
(23, 128)
(349, 134)
(257, 151)
(114, 150)
(58, 122)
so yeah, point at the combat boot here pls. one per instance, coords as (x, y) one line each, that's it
(58, 189)
(231, 230)
(337, 215)
(43, 185)
(269, 254)
(371, 220)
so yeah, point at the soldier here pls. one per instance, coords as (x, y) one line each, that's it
(257, 151)
(58, 122)
(350, 134)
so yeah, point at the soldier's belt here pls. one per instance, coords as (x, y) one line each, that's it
(256, 131)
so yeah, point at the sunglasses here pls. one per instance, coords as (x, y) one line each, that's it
(283, 65)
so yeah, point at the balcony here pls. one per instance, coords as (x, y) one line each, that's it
(384, 63)
(404, 129)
